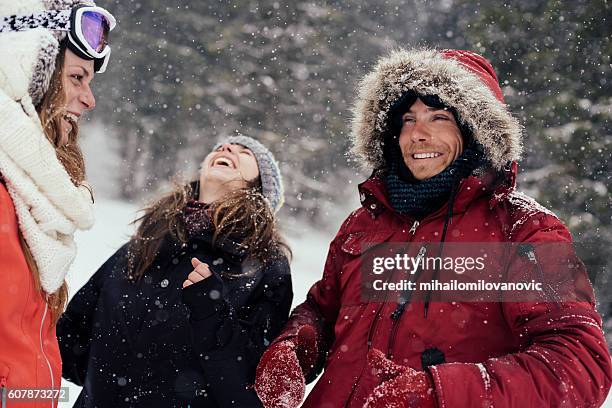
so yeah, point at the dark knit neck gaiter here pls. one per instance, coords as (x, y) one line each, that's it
(416, 198)
(197, 219)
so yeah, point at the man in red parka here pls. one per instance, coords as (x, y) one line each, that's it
(443, 145)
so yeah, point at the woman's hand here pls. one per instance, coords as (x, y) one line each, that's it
(199, 273)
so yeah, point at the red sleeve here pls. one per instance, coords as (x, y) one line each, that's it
(566, 361)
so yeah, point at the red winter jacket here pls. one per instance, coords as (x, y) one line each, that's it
(496, 354)
(29, 353)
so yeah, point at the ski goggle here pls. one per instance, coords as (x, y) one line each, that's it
(88, 30)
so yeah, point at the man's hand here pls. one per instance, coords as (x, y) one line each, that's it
(200, 272)
(401, 386)
(279, 379)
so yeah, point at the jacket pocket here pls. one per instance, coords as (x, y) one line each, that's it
(356, 243)
(359, 248)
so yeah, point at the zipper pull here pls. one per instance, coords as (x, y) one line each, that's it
(527, 251)
(421, 254)
(414, 227)
(3, 392)
(398, 311)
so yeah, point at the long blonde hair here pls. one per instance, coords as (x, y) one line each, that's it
(50, 111)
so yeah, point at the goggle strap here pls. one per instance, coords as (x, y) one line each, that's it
(75, 47)
(101, 64)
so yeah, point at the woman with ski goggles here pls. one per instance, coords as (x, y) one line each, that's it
(47, 62)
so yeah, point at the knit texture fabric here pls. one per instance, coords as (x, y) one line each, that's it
(271, 179)
(31, 53)
(419, 198)
(196, 218)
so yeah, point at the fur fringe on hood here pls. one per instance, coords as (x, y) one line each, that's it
(428, 72)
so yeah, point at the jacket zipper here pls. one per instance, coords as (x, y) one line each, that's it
(412, 231)
(42, 350)
(397, 314)
(3, 381)
(420, 255)
(369, 345)
(373, 326)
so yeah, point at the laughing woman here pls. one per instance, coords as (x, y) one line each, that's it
(180, 315)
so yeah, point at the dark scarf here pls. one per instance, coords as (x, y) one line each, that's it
(196, 218)
(416, 198)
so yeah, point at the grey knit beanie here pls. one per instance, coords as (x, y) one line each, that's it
(271, 180)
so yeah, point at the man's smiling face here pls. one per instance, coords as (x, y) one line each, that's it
(430, 140)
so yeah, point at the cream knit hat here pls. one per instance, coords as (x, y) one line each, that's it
(28, 57)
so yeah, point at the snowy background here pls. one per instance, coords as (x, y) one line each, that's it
(183, 73)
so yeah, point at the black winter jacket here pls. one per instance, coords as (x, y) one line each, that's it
(154, 344)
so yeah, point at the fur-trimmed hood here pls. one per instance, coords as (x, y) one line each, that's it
(476, 97)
